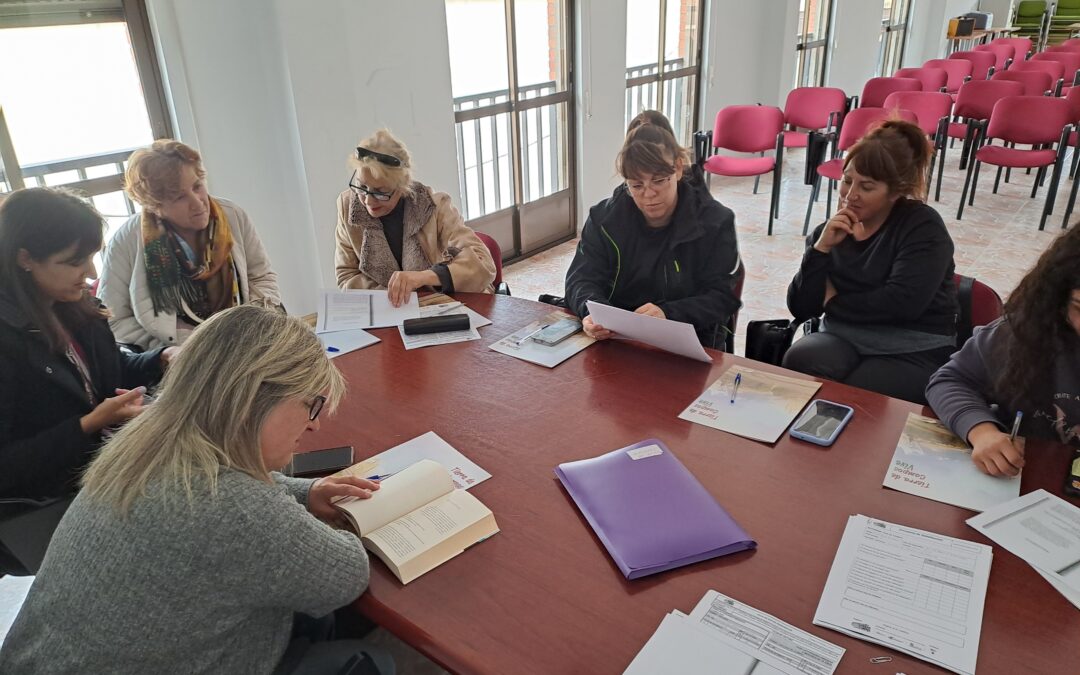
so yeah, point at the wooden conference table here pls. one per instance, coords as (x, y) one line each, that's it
(543, 596)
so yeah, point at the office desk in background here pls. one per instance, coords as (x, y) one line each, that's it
(542, 596)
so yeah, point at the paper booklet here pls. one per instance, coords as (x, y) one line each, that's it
(676, 337)
(464, 472)
(765, 403)
(534, 352)
(931, 462)
(417, 520)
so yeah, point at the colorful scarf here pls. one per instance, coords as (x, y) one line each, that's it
(181, 287)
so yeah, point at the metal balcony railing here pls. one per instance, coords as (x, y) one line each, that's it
(57, 173)
(642, 95)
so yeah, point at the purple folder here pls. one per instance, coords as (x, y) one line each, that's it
(650, 512)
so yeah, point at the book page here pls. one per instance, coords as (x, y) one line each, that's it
(398, 495)
(416, 532)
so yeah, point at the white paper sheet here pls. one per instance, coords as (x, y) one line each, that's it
(679, 646)
(1041, 529)
(931, 462)
(463, 471)
(342, 342)
(534, 352)
(671, 336)
(765, 404)
(353, 308)
(446, 337)
(918, 592)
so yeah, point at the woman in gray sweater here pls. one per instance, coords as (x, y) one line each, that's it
(184, 552)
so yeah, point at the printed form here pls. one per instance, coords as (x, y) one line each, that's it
(918, 592)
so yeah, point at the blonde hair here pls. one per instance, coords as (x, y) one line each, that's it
(213, 402)
(383, 142)
(153, 173)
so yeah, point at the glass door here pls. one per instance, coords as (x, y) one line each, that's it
(895, 17)
(513, 109)
(812, 42)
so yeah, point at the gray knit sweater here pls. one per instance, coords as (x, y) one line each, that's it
(176, 589)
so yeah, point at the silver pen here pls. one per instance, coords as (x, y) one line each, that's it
(529, 336)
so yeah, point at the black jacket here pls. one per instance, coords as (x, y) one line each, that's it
(901, 277)
(42, 447)
(685, 268)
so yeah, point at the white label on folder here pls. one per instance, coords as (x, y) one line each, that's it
(647, 451)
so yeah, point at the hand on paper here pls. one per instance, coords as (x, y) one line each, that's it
(649, 309)
(325, 489)
(113, 411)
(595, 330)
(843, 224)
(993, 452)
(401, 284)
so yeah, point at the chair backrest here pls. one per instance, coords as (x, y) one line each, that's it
(1036, 82)
(747, 128)
(981, 62)
(496, 255)
(862, 119)
(957, 69)
(1071, 44)
(877, 88)
(1066, 9)
(976, 99)
(933, 79)
(1002, 53)
(1021, 45)
(1055, 69)
(1070, 61)
(979, 305)
(1029, 9)
(810, 107)
(929, 107)
(1072, 96)
(1029, 120)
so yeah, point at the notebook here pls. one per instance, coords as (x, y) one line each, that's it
(649, 511)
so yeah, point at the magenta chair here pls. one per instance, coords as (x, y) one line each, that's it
(496, 254)
(959, 71)
(1036, 82)
(813, 109)
(1038, 121)
(856, 124)
(933, 79)
(974, 103)
(877, 89)
(1070, 61)
(931, 109)
(979, 306)
(1021, 47)
(983, 63)
(749, 128)
(1003, 54)
(1054, 69)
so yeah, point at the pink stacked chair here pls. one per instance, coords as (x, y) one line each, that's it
(1039, 121)
(1021, 46)
(813, 109)
(933, 79)
(1003, 54)
(877, 89)
(983, 63)
(1072, 97)
(959, 71)
(1072, 44)
(974, 104)
(1054, 69)
(931, 109)
(1070, 61)
(1036, 82)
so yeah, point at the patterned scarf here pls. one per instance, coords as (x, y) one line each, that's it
(179, 286)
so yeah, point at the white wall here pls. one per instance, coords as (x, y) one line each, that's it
(930, 25)
(1001, 9)
(855, 44)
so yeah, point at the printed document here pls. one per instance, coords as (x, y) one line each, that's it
(671, 336)
(1041, 529)
(931, 462)
(353, 308)
(445, 337)
(764, 403)
(518, 344)
(915, 591)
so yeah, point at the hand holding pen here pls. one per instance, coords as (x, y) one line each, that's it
(995, 452)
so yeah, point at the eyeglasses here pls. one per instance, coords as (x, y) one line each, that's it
(374, 194)
(388, 160)
(657, 184)
(316, 407)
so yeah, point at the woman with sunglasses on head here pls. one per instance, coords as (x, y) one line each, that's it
(658, 246)
(186, 551)
(62, 378)
(397, 234)
(186, 257)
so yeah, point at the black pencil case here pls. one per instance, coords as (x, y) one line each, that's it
(436, 324)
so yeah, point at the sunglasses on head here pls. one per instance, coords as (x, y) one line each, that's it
(388, 160)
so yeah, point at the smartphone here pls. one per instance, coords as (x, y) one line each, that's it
(1072, 478)
(821, 422)
(555, 333)
(318, 462)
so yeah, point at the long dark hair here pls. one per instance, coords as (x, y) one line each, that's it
(1036, 312)
(46, 221)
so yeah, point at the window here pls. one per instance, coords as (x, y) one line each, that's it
(895, 17)
(812, 42)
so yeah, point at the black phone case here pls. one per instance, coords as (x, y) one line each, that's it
(436, 324)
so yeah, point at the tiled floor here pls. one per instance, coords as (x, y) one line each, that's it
(996, 242)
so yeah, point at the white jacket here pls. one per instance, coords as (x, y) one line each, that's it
(126, 292)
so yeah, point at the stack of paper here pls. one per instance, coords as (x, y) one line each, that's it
(446, 337)
(1043, 530)
(918, 592)
(724, 636)
(519, 346)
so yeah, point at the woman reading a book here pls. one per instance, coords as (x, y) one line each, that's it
(658, 246)
(185, 551)
(880, 272)
(1028, 360)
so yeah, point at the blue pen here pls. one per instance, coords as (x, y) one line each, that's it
(735, 387)
(385, 475)
(333, 350)
(1016, 425)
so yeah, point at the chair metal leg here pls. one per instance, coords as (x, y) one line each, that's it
(828, 200)
(997, 179)
(814, 188)
(967, 185)
(757, 177)
(1038, 180)
(974, 183)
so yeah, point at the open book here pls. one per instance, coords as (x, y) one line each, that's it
(417, 520)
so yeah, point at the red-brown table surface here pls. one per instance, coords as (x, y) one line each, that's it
(542, 596)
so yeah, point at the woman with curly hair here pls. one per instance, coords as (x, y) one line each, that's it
(1028, 360)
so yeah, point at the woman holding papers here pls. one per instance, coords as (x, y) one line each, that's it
(186, 257)
(1028, 360)
(397, 234)
(881, 272)
(184, 552)
(658, 246)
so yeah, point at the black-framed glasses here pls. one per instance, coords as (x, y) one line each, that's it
(388, 160)
(316, 407)
(374, 194)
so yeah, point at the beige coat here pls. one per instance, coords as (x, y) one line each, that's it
(434, 233)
